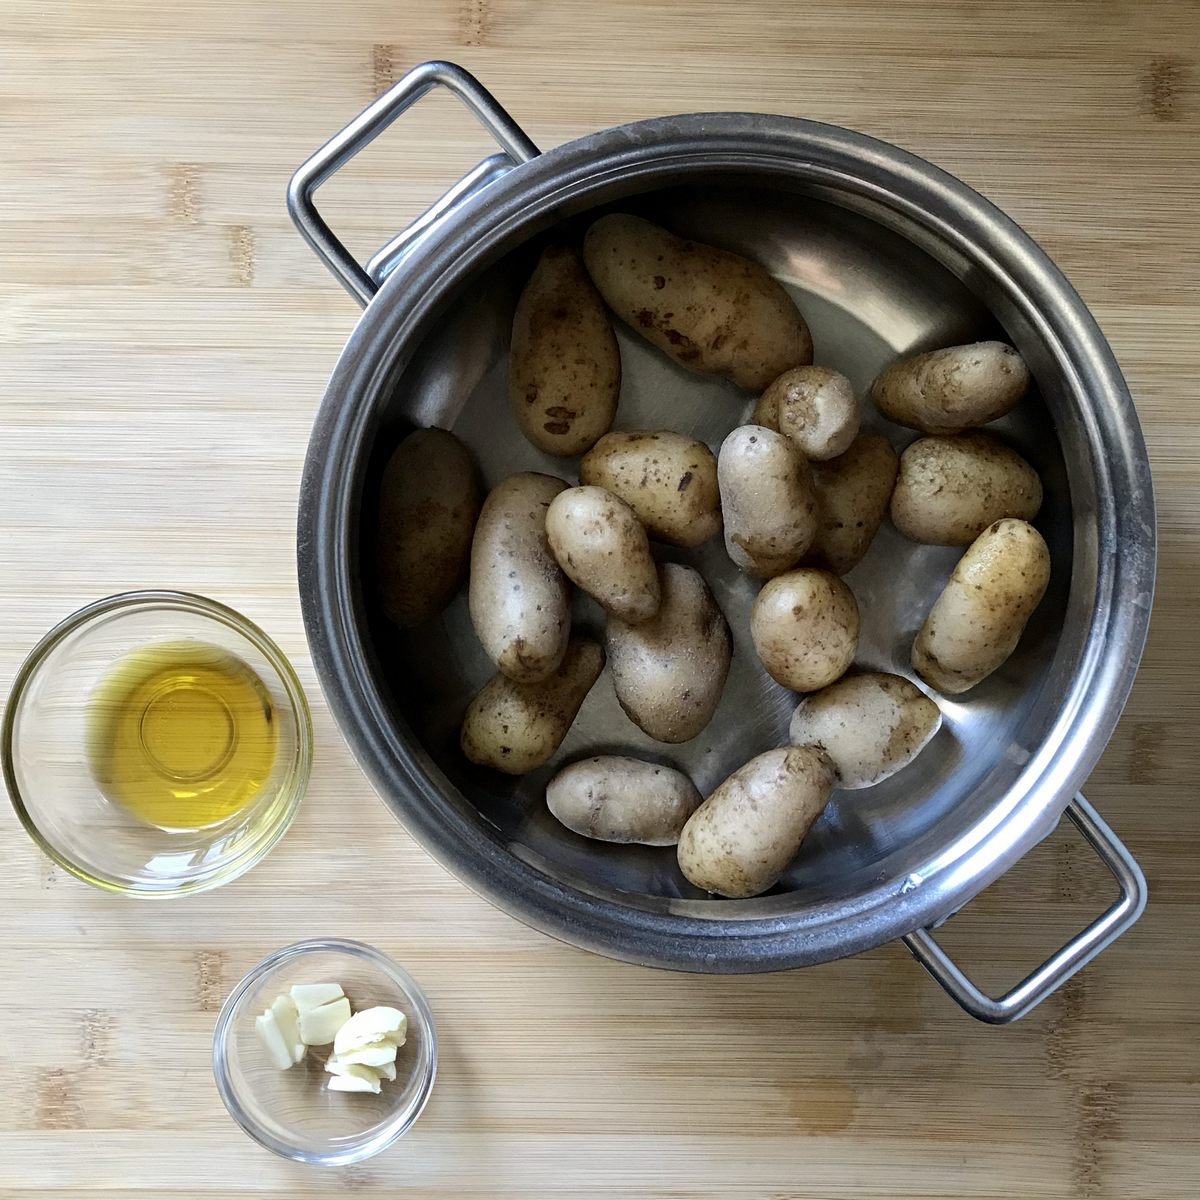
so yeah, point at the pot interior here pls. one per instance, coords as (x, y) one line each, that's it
(869, 293)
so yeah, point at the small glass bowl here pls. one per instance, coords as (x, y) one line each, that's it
(43, 748)
(292, 1112)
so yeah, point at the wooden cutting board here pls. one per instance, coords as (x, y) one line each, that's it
(165, 338)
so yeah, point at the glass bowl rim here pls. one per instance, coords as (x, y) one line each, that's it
(393, 1129)
(160, 600)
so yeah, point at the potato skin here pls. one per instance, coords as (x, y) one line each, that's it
(977, 621)
(805, 628)
(429, 500)
(669, 672)
(853, 491)
(602, 547)
(565, 369)
(766, 411)
(516, 727)
(519, 598)
(712, 311)
(870, 725)
(767, 501)
(616, 799)
(744, 836)
(669, 480)
(949, 390)
(950, 489)
(814, 407)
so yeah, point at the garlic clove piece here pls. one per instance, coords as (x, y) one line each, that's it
(370, 1026)
(351, 1078)
(370, 1056)
(319, 1026)
(307, 996)
(273, 1041)
(288, 1020)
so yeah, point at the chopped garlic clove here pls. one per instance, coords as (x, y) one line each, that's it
(319, 1026)
(273, 1041)
(354, 1079)
(371, 1026)
(370, 1056)
(307, 996)
(335, 1066)
(288, 1021)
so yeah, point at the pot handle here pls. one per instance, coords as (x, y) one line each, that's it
(1063, 963)
(362, 283)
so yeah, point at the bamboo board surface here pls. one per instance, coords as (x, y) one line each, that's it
(165, 338)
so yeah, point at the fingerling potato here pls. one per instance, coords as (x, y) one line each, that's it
(602, 547)
(950, 489)
(743, 837)
(669, 672)
(516, 727)
(519, 598)
(947, 391)
(977, 621)
(805, 628)
(814, 407)
(712, 311)
(429, 500)
(853, 491)
(767, 501)
(565, 369)
(616, 799)
(669, 480)
(870, 725)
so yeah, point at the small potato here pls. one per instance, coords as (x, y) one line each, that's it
(805, 628)
(428, 503)
(712, 311)
(977, 621)
(616, 799)
(951, 489)
(516, 727)
(947, 391)
(742, 838)
(767, 501)
(565, 372)
(852, 497)
(519, 598)
(870, 725)
(669, 672)
(814, 407)
(601, 545)
(766, 411)
(670, 482)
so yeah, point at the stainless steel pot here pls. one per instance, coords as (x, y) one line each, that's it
(885, 253)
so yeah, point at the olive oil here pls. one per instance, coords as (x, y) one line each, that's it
(182, 735)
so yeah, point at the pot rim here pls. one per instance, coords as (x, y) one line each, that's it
(917, 192)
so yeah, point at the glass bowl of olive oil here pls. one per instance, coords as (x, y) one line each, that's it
(156, 743)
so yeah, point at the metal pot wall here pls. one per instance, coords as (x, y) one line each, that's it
(884, 253)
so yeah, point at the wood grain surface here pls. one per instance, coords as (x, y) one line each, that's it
(165, 338)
